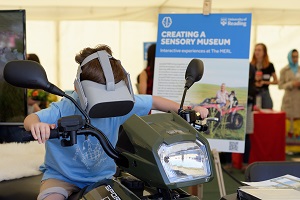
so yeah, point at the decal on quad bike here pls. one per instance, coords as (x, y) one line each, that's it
(104, 192)
(113, 194)
(90, 154)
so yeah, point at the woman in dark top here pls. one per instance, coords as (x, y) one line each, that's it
(145, 78)
(261, 62)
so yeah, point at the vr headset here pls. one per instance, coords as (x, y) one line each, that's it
(101, 101)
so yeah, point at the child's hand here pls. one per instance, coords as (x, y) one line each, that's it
(203, 111)
(41, 131)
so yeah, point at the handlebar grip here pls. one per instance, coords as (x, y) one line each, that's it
(27, 136)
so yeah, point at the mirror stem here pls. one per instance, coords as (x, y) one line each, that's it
(183, 97)
(87, 118)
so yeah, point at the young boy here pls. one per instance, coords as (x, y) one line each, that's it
(68, 169)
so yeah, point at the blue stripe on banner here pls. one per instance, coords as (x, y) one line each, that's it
(201, 36)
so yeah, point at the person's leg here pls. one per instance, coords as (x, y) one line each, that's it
(228, 158)
(55, 197)
(228, 162)
(53, 189)
(266, 101)
(246, 154)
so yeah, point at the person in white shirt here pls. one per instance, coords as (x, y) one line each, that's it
(222, 95)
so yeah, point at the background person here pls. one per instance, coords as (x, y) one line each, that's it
(145, 78)
(260, 60)
(222, 96)
(33, 57)
(289, 81)
(33, 105)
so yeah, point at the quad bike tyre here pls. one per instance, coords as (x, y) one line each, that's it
(236, 121)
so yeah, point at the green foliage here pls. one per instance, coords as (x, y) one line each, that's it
(37, 95)
(221, 131)
(41, 96)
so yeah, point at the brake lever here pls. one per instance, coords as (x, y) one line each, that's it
(208, 119)
(204, 121)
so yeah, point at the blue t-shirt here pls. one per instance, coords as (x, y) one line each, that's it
(85, 162)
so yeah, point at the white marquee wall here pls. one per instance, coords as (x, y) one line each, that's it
(41, 39)
(57, 42)
(125, 38)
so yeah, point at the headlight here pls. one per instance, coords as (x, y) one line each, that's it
(184, 161)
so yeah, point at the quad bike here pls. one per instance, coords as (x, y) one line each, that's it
(234, 120)
(157, 154)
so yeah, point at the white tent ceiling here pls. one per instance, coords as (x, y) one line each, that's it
(264, 11)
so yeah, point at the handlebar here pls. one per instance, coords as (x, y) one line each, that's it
(70, 127)
(194, 118)
(27, 136)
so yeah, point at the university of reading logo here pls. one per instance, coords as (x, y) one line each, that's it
(167, 22)
(233, 21)
(223, 21)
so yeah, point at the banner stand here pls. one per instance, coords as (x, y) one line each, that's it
(219, 172)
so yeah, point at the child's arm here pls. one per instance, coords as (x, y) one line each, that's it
(39, 130)
(166, 105)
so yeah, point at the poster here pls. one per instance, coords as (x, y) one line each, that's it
(222, 42)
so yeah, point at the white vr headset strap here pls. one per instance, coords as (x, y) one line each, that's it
(80, 92)
(103, 58)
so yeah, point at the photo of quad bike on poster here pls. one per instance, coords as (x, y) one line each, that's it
(228, 104)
